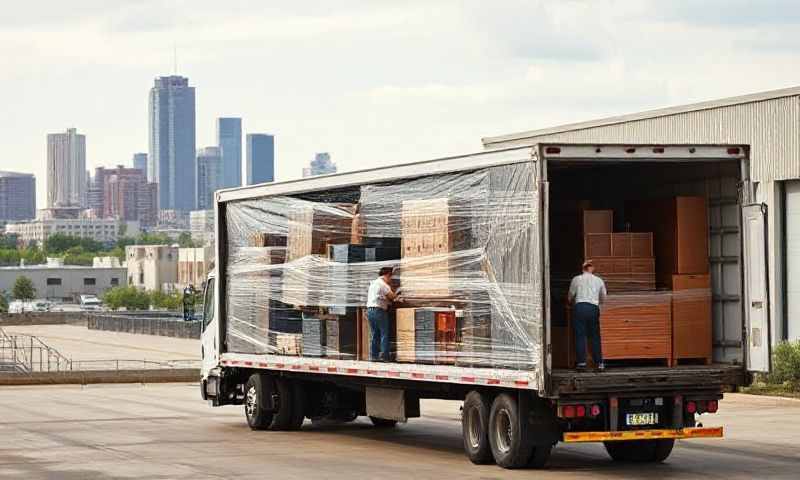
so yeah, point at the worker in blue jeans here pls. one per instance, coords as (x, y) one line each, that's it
(379, 298)
(586, 292)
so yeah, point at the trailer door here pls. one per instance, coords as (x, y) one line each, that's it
(756, 287)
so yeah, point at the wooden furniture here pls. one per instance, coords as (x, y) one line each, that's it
(691, 318)
(598, 221)
(680, 227)
(637, 326)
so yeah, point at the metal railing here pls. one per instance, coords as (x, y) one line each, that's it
(26, 354)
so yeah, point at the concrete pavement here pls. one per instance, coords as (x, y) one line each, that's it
(166, 431)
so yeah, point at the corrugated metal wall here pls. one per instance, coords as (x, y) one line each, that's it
(770, 127)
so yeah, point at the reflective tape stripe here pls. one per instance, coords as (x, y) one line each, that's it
(575, 437)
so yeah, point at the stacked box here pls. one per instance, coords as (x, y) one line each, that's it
(314, 335)
(263, 239)
(427, 335)
(431, 231)
(340, 337)
(476, 336)
(289, 344)
(406, 337)
(637, 326)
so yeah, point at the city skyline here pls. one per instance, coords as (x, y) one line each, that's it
(66, 169)
(229, 142)
(260, 162)
(467, 71)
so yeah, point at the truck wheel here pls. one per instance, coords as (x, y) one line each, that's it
(298, 405)
(508, 437)
(540, 456)
(641, 451)
(282, 414)
(474, 428)
(383, 422)
(255, 393)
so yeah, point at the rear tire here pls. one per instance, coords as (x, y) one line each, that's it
(540, 456)
(383, 422)
(283, 415)
(475, 428)
(256, 391)
(508, 437)
(641, 451)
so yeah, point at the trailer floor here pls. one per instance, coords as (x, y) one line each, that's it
(166, 432)
(632, 379)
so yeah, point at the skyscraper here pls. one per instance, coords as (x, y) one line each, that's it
(172, 142)
(66, 169)
(17, 196)
(140, 162)
(229, 141)
(260, 158)
(209, 176)
(321, 165)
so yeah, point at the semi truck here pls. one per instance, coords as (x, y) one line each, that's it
(518, 401)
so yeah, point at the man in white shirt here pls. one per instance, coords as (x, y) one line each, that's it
(379, 298)
(586, 292)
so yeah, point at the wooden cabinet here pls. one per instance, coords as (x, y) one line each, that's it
(691, 318)
(637, 326)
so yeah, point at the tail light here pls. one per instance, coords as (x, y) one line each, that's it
(580, 411)
(691, 407)
(568, 411)
(595, 410)
(712, 406)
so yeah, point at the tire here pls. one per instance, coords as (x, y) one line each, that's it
(508, 437)
(540, 456)
(256, 390)
(642, 451)
(475, 429)
(383, 422)
(298, 405)
(283, 416)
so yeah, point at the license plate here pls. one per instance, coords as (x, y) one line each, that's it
(637, 419)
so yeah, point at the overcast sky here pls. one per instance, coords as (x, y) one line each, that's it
(372, 82)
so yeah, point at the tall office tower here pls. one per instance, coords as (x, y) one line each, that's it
(229, 141)
(260, 164)
(172, 142)
(66, 169)
(140, 162)
(209, 176)
(17, 196)
(321, 165)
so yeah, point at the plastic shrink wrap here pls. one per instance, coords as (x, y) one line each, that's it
(463, 246)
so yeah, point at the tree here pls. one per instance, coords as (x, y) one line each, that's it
(153, 239)
(167, 301)
(33, 255)
(129, 297)
(185, 240)
(3, 302)
(24, 289)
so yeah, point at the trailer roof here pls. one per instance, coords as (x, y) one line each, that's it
(380, 174)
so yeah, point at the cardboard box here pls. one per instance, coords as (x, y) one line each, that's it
(289, 344)
(340, 337)
(637, 326)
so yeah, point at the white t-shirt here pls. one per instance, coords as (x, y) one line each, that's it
(376, 296)
(587, 288)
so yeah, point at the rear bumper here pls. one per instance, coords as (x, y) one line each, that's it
(685, 433)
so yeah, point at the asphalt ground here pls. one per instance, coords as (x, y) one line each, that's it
(166, 431)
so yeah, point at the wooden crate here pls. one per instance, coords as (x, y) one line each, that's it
(597, 245)
(691, 318)
(312, 227)
(289, 344)
(637, 327)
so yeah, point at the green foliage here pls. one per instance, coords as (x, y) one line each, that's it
(167, 301)
(8, 242)
(60, 243)
(24, 289)
(3, 302)
(153, 239)
(33, 255)
(9, 257)
(129, 297)
(185, 240)
(786, 365)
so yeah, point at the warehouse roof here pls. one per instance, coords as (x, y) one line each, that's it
(660, 112)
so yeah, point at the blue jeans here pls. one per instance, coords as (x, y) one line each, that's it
(379, 328)
(587, 325)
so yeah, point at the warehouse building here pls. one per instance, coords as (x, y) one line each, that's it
(56, 281)
(769, 123)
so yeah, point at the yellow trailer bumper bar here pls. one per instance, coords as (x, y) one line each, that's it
(577, 437)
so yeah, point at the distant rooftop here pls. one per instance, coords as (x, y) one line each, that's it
(5, 173)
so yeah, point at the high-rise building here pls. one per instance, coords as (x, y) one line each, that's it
(321, 165)
(140, 162)
(172, 142)
(209, 176)
(17, 196)
(229, 141)
(124, 193)
(260, 158)
(66, 169)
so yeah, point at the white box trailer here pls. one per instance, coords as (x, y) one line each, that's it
(517, 406)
